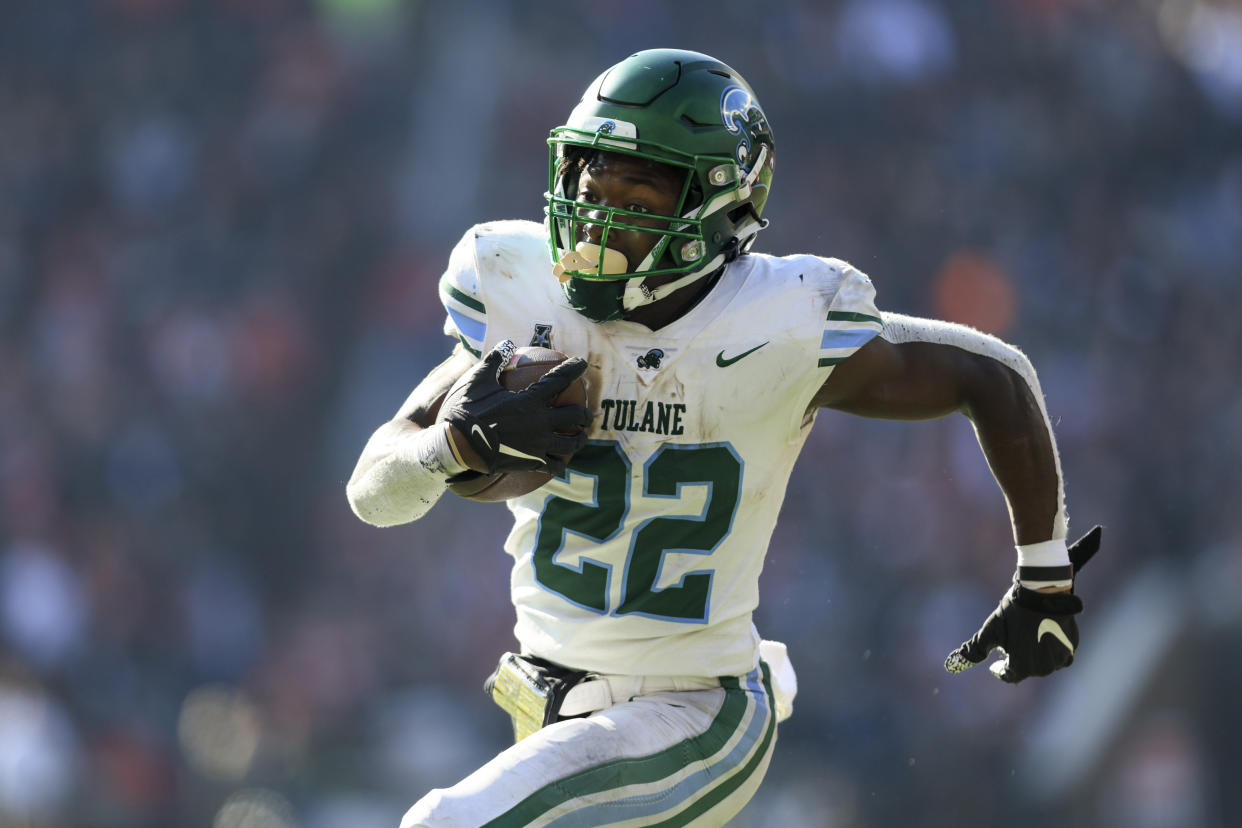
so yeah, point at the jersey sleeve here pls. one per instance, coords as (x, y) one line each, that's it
(462, 297)
(852, 319)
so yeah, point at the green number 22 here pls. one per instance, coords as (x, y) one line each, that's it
(672, 466)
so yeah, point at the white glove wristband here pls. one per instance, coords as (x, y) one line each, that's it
(1046, 564)
(433, 450)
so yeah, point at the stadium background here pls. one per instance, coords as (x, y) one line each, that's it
(220, 231)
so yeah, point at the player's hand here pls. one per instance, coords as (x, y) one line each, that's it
(1035, 631)
(516, 430)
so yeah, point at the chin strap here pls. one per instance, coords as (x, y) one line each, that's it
(637, 294)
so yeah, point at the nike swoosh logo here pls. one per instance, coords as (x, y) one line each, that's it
(725, 363)
(512, 452)
(1050, 627)
(476, 429)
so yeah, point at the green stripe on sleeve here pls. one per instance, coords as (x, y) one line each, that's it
(469, 347)
(825, 361)
(465, 298)
(851, 316)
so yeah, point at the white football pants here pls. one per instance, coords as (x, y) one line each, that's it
(668, 759)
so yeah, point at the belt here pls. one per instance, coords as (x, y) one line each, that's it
(597, 692)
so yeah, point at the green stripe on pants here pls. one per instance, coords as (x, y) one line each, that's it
(636, 770)
(722, 791)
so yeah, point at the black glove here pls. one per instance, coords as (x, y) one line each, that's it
(517, 430)
(1034, 630)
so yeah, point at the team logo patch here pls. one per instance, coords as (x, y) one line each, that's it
(651, 359)
(542, 337)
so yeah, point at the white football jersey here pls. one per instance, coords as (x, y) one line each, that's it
(644, 558)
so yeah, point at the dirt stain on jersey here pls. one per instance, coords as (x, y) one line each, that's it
(503, 266)
(503, 259)
(594, 378)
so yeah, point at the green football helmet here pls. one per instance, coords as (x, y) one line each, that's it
(682, 109)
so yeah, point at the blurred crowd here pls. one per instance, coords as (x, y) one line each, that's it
(221, 226)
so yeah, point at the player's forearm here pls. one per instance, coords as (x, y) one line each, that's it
(401, 473)
(996, 386)
(402, 470)
(1017, 440)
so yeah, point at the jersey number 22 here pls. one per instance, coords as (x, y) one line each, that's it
(671, 467)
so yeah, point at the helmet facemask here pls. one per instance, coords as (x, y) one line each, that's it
(590, 269)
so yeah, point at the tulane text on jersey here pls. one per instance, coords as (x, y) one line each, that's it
(656, 417)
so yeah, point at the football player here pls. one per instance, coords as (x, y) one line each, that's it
(642, 693)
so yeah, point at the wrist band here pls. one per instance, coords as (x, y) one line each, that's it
(1046, 564)
(434, 451)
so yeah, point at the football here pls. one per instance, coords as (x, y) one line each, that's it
(523, 368)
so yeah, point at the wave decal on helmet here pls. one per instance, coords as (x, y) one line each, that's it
(738, 112)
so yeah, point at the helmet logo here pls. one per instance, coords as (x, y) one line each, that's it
(606, 127)
(742, 116)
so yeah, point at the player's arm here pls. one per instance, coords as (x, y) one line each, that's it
(924, 380)
(461, 419)
(396, 480)
(922, 369)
